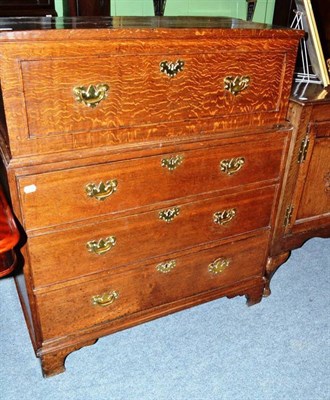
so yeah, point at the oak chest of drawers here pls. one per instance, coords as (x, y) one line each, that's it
(144, 159)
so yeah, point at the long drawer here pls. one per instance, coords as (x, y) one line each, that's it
(116, 295)
(74, 95)
(71, 253)
(86, 192)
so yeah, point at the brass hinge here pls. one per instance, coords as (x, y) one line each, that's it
(303, 150)
(288, 215)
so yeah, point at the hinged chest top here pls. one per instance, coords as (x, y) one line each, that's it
(73, 83)
(20, 24)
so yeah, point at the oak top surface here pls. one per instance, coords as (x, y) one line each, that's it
(25, 27)
(33, 23)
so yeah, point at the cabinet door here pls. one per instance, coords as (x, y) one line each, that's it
(309, 208)
(315, 199)
(305, 203)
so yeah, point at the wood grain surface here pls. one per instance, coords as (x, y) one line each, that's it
(53, 146)
(306, 187)
(144, 235)
(144, 181)
(140, 94)
(143, 104)
(69, 310)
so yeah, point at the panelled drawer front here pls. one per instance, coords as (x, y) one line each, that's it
(80, 306)
(70, 253)
(140, 182)
(130, 90)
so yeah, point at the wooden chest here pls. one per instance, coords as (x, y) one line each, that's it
(144, 158)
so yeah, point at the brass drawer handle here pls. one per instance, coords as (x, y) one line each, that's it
(218, 266)
(224, 217)
(172, 163)
(92, 95)
(232, 166)
(169, 215)
(102, 190)
(105, 299)
(101, 246)
(171, 69)
(166, 266)
(236, 84)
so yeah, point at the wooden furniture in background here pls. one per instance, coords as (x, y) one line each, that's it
(89, 7)
(26, 8)
(146, 177)
(305, 210)
(159, 7)
(305, 204)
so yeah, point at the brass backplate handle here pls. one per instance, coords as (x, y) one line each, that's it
(101, 246)
(171, 69)
(102, 190)
(169, 214)
(232, 166)
(92, 95)
(172, 163)
(224, 217)
(105, 299)
(166, 267)
(218, 266)
(236, 84)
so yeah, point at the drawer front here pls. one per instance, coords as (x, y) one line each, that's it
(80, 306)
(122, 241)
(87, 192)
(72, 95)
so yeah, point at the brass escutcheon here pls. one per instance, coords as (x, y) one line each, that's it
(101, 246)
(169, 215)
(172, 163)
(224, 217)
(166, 266)
(171, 69)
(105, 299)
(102, 190)
(92, 95)
(218, 266)
(236, 84)
(288, 216)
(232, 166)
